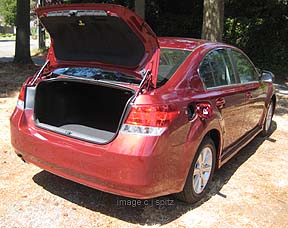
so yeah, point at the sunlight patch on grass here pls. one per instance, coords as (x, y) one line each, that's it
(7, 36)
(39, 52)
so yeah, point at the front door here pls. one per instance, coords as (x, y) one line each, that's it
(255, 91)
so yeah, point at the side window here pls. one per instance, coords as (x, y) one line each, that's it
(245, 69)
(170, 61)
(206, 74)
(216, 69)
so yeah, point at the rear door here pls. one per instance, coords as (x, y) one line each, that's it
(255, 91)
(223, 89)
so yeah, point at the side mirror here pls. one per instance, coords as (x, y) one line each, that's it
(267, 76)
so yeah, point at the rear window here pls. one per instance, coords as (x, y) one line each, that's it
(97, 74)
(170, 61)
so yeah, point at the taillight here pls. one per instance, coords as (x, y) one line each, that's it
(22, 94)
(149, 119)
(21, 97)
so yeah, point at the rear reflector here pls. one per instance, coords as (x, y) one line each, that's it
(149, 119)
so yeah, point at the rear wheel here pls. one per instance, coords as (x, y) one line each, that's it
(268, 120)
(200, 173)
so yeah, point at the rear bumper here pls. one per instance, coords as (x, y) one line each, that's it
(132, 166)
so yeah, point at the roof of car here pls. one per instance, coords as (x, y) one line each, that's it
(181, 43)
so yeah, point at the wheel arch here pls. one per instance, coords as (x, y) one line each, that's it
(198, 132)
(215, 135)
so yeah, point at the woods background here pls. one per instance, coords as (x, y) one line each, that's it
(258, 27)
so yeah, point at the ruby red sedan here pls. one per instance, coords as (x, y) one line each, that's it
(120, 110)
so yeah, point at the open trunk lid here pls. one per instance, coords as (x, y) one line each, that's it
(100, 34)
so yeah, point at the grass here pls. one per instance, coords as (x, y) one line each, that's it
(7, 36)
(39, 52)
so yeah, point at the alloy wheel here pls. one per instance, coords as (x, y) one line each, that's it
(202, 170)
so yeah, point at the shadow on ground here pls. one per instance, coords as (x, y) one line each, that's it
(38, 60)
(3, 41)
(160, 210)
(13, 75)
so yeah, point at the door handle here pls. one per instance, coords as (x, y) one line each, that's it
(248, 95)
(220, 102)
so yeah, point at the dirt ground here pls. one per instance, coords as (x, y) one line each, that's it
(251, 190)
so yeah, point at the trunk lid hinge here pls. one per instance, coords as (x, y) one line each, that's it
(40, 72)
(146, 83)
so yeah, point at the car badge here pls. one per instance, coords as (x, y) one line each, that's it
(81, 23)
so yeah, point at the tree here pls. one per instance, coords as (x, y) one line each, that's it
(213, 20)
(140, 8)
(260, 29)
(8, 11)
(22, 47)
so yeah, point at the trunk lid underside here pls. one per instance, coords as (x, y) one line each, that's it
(98, 33)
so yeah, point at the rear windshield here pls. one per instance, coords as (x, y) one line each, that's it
(97, 74)
(170, 61)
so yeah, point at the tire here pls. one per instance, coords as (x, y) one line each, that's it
(268, 120)
(193, 191)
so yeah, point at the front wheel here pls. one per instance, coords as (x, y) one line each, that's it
(200, 173)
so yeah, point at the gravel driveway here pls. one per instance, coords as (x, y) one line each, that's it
(251, 190)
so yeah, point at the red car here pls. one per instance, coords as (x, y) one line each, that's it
(120, 110)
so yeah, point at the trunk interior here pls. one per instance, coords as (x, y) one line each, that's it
(83, 110)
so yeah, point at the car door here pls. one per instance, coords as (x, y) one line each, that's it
(217, 73)
(255, 91)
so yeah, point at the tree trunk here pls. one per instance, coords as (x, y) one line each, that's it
(140, 8)
(22, 47)
(41, 30)
(213, 20)
(41, 36)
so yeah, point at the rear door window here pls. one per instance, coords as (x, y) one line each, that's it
(216, 69)
(206, 73)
